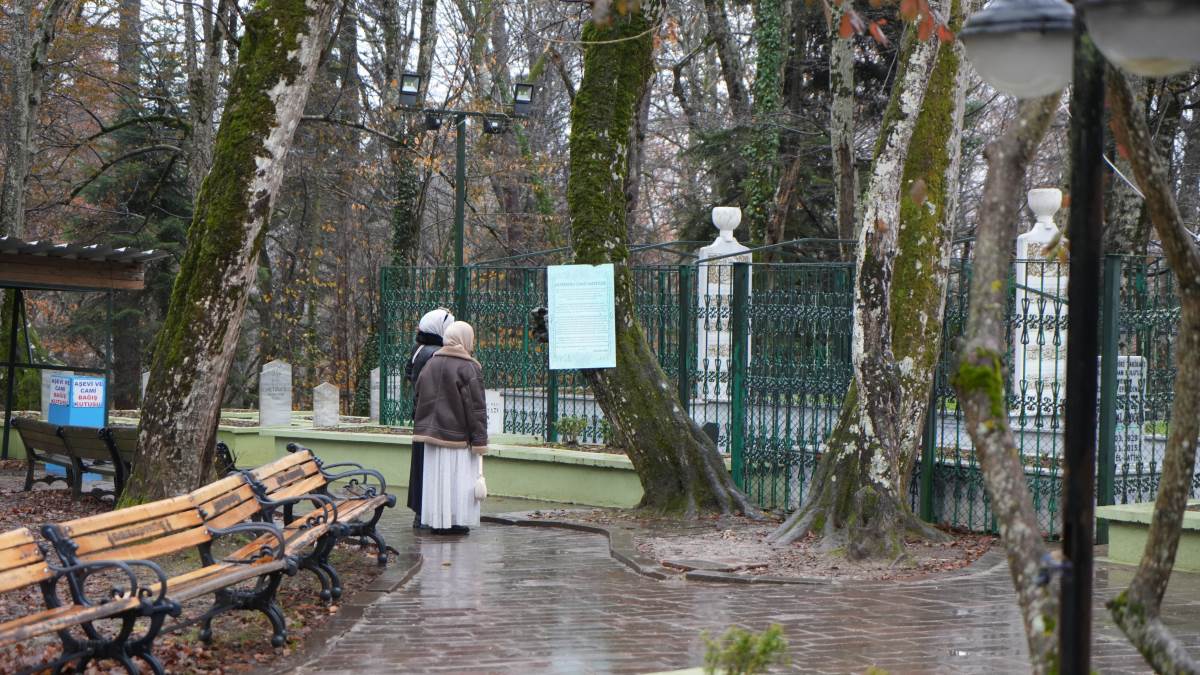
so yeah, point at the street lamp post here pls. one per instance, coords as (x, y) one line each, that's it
(1020, 48)
(493, 123)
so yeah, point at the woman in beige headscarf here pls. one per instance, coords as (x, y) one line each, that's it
(451, 420)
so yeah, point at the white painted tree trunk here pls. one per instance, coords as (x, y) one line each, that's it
(194, 350)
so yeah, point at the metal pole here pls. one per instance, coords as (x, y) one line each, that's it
(460, 185)
(739, 364)
(1109, 341)
(10, 383)
(1083, 317)
(108, 368)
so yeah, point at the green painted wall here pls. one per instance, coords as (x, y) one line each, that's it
(1128, 525)
(512, 470)
(589, 478)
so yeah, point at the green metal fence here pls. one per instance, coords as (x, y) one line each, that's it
(760, 354)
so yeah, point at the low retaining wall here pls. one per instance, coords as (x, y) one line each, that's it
(590, 478)
(1129, 524)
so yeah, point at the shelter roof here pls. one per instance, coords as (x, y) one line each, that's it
(49, 265)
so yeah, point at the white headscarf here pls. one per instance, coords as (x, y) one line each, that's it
(436, 321)
(459, 341)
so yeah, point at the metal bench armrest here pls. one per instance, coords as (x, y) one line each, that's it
(135, 588)
(325, 503)
(266, 528)
(367, 473)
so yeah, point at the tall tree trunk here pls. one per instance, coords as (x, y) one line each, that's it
(979, 380)
(1137, 610)
(28, 52)
(858, 499)
(406, 206)
(203, 74)
(841, 126)
(679, 467)
(129, 45)
(762, 152)
(731, 60)
(194, 350)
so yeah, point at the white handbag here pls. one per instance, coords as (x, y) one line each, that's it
(480, 484)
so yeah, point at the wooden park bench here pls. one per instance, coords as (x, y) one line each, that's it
(79, 450)
(196, 520)
(359, 504)
(73, 613)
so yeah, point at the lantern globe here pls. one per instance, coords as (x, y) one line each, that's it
(1022, 47)
(1152, 38)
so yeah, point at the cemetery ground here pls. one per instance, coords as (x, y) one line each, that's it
(550, 588)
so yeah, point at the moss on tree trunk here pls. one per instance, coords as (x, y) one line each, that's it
(195, 347)
(680, 468)
(858, 500)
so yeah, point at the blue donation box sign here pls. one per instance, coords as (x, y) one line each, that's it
(581, 316)
(77, 401)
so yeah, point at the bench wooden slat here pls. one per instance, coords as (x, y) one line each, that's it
(17, 537)
(19, 555)
(153, 549)
(129, 516)
(19, 577)
(290, 475)
(131, 534)
(52, 620)
(227, 502)
(281, 464)
(125, 440)
(234, 516)
(304, 487)
(212, 490)
(86, 443)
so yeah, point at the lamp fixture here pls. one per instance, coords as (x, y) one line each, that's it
(1022, 47)
(1153, 38)
(410, 88)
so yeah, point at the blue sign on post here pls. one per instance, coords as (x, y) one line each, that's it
(77, 400)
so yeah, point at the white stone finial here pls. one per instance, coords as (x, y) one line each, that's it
(1045, 202)
(726, 219)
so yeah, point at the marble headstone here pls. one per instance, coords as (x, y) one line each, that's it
(326, 405)
(375, 395)
(275, 395)
(495, 411)
(46, 375)
(145, 381)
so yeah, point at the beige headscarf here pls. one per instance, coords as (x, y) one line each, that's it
(458, 341)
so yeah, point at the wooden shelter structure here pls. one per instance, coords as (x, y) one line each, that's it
(51, 266)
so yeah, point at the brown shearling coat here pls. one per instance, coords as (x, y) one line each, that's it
(451, 409)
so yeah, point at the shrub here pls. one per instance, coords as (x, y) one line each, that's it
(740, 652)
(569, 429)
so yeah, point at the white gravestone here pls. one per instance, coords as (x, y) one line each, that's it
(326, 405)
(275, 395)
(48, 387)
(145, 381)
(1040, 361)
(1130, 413)
(375, 395)
(714, 334)
(495, 411)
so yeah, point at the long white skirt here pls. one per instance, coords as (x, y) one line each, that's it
(448, 487)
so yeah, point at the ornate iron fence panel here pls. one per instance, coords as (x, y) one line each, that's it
(760, 356)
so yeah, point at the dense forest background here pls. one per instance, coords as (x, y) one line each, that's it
(109, 111)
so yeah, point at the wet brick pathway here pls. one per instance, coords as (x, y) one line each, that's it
(536, 600)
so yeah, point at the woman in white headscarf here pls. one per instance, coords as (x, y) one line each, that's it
(451, 420)
(429, 339)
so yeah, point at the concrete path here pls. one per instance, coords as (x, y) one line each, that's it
(535, 600)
